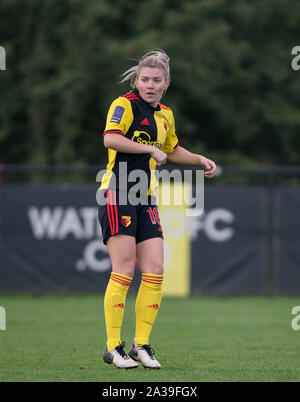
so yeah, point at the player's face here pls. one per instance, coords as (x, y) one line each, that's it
(151, 84)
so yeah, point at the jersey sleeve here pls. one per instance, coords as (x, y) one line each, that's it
(171, 142)
(119, 117)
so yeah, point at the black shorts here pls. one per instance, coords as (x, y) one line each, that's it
(139, 221)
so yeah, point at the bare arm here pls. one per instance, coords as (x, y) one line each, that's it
(185, 157)
(122, 144)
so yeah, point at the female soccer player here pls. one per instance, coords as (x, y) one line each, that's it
(139, 134)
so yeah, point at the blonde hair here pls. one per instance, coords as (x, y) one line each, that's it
(154, 58)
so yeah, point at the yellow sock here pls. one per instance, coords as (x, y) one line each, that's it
(114, 304)
(146, 306)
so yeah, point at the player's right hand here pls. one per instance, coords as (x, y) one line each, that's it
(159, 156)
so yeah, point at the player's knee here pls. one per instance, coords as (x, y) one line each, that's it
(156, 268)
(126, 265)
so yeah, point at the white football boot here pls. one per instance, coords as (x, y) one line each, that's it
(145, 355)
(118, 357)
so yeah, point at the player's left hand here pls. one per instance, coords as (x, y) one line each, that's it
(209, 166)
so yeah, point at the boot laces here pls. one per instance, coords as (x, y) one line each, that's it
(120, 350)
(150, 351)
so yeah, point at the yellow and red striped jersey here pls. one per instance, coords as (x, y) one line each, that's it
(137, 120)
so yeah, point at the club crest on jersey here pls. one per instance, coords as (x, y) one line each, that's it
(117, 114)
(126, 221)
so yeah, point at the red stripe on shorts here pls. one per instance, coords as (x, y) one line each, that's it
(112, 211)
(109, 212)
(116, 212)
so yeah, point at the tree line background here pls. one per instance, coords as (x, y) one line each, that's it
(234, 94)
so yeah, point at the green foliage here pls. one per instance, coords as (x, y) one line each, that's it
(233, 91)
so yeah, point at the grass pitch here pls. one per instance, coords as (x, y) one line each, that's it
(61, 338)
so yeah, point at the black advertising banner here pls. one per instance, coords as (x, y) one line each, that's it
(246, 239)
(287, 241)
(229, 242)
(51, 239)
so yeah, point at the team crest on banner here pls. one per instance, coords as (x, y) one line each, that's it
(126, 221)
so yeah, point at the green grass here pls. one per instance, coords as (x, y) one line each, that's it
(61, 338)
